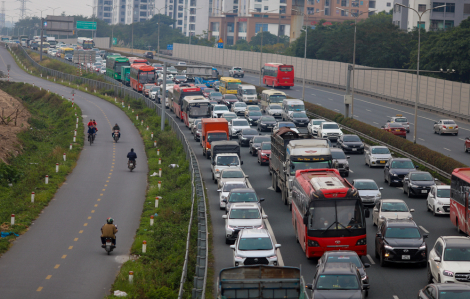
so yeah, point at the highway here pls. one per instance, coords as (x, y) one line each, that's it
(61, 256)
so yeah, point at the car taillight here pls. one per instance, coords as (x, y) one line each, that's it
(456, 127)
(444, 127)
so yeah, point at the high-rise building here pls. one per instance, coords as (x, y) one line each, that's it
(449, 16)
(191, 16)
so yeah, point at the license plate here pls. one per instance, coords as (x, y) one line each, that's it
(451, 127)
(354, 149)
(108, 243)
(405, 257)
(424, 191)
(397, 130)
(382, 162)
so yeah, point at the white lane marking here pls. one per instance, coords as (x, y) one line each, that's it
(401, 188)
(314, 94)
(424, 230)
(351, 171)
(368, 110)
(356, 116)
(376, 123)
(421, 139)
(279, 256)
(319, 104)
(447, 149)
(330, 99)
(462, 139)
(370, 259)
(395, 297)
(271, 188)
(336, 110)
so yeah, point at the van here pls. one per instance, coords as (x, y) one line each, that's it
(271, 96)
(291, 105)
(247, 93)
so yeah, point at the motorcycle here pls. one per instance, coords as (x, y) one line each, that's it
(109, 245)
(131, 165)
(116, 135)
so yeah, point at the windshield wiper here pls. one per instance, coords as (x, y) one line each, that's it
(345, 227)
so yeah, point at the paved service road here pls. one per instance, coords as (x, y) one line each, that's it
(60, 256)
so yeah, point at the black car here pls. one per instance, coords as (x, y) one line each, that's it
(345, 256)
(246, 135)
(68, 57)
(338, 280)
(445, 291)
(255, 143)
(253, 116)
(400, 241)
(418, 183)
(300, 119)
(149, 54)
(229, 99)
(215, 96)
(396, 169)
(350, 143)
(340, 161)
(266, 123)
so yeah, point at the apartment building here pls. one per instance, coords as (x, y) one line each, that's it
(103, 10)
(234, 20)
(381, 5)
(191, 16)
(454, 12)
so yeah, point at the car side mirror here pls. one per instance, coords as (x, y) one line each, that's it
(305, 220)
(347, 157)
(265, 216)
(386, 166)
(412, 210)
(379, 235)
(241, 163)
(213, 163)
(224, 216)
(309, 286)
(437, 259)
(247, 176)
(425, 236)
(407, 179)
(224, 200)
(381, 188)
(436, 179)
(367, 213)
(219, 190)
(365, 286)
(203, 138)
(435, 123)
(261, 199)
(232, 247)
(366, 265)
(388, 120)
(277, 245)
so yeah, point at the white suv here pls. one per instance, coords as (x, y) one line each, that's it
(438, 201)
(236, 126)
(242, 216)
(329, 130)
(254, 247)
(449, 260)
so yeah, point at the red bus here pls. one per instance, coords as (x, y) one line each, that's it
(141, 74)
(459, 199)
(179, 92)
(137, 60)
(278, 75)
(327, 213)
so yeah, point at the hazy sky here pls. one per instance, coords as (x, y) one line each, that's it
(71, 7)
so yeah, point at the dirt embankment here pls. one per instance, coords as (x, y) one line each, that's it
(13, 119)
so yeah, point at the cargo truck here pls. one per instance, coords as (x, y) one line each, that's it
(291, 151)
(213, 129)
(202, 74)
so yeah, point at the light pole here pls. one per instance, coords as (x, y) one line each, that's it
(93, 15)
(158, 34)
(417, 64)
(356, 15)
(42, 34)
(53, 10)
(261, 49)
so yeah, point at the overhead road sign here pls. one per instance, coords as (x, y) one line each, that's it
(59, 25)
(85, 25)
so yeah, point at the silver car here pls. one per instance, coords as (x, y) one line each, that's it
(368, 191)
(239, 108)
(377, 155)
(390, 209)
(236, 126)
(231, 175)
(242, 216)
(446, 126)
(401, 120)
(274, 110)
(314, 125)
(254, 247)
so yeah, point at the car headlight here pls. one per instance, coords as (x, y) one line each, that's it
(448, 273)
(439, 202)
(394, 174)
(340, 133)
(362, 145)
(238, 258)
(382, 217)
(230, 227)
(258, 227)
(264, 155)
(345, 145)
(422, 247)
(378, 196)
(364, 277)
(414, 186)
(250, 119)
(388, 247)
(272, 257)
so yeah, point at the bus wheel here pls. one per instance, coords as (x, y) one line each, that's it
(284, 197)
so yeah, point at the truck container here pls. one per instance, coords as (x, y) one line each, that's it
(126, 75)
(213, 129)
(219, 147)
(291, 151)
(261, 282)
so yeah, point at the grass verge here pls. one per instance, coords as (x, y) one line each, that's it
(51, 131)
(157, 272)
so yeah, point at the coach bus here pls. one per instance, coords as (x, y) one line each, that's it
(141, 74)
(327, 213)
(179, 92)
(195, 107)
(133, 60)
(114, 64)
(459, 199)
(86, 43)
(278, 75)
(229, 85)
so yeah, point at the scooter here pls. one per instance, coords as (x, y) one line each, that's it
(109, 245)
(131, 165)
(116, 135)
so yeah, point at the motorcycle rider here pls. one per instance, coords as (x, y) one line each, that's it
(90, 123)
(91, 130)
(109, 230)
(94, 124)
(116, 127)
(132, 156)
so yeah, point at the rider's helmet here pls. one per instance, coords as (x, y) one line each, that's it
(110, 220)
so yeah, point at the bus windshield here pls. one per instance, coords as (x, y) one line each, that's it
(339, 214)
(117, 66)
(232, 85)
(146, 77)
(277, 98)
(199, 109)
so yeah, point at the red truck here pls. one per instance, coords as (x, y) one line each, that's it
(213, 129)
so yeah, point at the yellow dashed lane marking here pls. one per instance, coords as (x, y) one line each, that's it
(70, 247)
(89, 217)
(57, 266)
(76, 239)
(92, 211)
(39, 289)
(48, 276)
(85, 224)
(64, 256)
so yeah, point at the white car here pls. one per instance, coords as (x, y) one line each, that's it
(438, 201)
(242, 216)
(239, 108)
(237, 125)
(274, 110)
(223, 161)
(103, 70)
(153, 92)
(218, 110)
(449, 260)
(225, 190)
(329, 130)
(254, 246)
(368, 190)
(230, 174)
(314, 125)
(390, 209)
(377, 155)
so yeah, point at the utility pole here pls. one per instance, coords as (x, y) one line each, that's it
(163, 95)
(42, 34)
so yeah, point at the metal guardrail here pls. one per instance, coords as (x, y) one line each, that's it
(395, 149)
(197, 185)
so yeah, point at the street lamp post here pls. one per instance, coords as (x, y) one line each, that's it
(417, 64)
(261, 49)
(93, 7)
(42, 34)
(53, 10)
(158, 35)
(356, 15)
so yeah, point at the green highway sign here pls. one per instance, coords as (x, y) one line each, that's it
(114, 41)
(84, 25)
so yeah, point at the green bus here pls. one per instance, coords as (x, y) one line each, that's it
(114, 64)
(126, 75)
